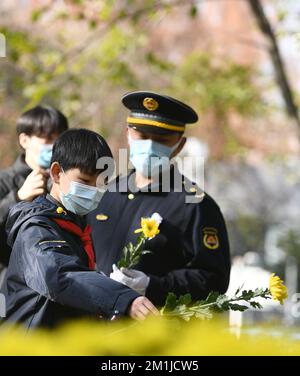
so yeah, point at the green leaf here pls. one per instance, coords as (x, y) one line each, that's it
(131, 254)
(237, 307)
(222, 301)
(256, 305)
(36, 14)
(239, 289)
(247, 295)
(93, 24)
(170, 303)
(185, 299)
(161, 64)
(212, 297)
(281, 15)
(193, 11)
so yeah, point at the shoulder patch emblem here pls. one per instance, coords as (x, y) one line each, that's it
(210, 238)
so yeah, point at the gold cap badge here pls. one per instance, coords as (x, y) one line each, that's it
(150, 103)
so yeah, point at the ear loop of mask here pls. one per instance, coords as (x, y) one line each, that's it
(62, 170)
(174, 147)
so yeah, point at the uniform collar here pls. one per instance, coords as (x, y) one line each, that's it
(79, 220)
(54, 201)
(126, 184)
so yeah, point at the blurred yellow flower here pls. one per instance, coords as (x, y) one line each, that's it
(149, 227)
(277, 288)
(154, 336)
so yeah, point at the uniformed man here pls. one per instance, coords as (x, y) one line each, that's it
(191, 252)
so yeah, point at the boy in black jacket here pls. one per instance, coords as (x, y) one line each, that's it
(51, 274)
(27, 178)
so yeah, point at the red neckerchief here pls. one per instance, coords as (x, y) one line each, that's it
(85, 237)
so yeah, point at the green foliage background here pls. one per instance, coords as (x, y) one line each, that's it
(83, 61)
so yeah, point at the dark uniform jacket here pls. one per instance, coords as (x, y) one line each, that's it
(191, 252)
(11, 180)
(48, 277)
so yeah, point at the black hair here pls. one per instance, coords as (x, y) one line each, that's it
(80, 148)
(42, 121)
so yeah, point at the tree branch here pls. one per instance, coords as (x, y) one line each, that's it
(121, 16)
(280, 73)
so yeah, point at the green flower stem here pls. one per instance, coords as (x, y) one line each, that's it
(140, 243)
(234, 299)
(196, 308)
(137, 251)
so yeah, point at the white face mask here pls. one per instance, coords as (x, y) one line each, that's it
(149, 157)
(81, 198)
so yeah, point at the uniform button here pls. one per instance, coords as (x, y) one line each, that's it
(193, 189)
(60, 210)
(131, 196)
(101, 217)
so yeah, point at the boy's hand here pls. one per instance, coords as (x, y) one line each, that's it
(142, 307)
(34, 185)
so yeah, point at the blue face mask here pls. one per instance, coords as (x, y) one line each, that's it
(150, 157)
(45, 156)
(81, 198)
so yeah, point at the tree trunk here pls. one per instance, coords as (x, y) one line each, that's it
(280, 73)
